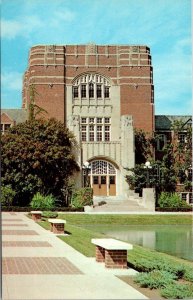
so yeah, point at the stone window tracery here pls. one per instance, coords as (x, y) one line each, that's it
(91, 86)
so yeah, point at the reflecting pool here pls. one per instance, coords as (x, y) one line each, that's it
(175, 240)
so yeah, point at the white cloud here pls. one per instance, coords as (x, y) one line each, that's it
(11, 81)
(10, 29)
(66, 15)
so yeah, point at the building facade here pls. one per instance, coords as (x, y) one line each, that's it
(101, 93)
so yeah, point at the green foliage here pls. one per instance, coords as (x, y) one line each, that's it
(37, 157)
(49, 214)
(188, 275)
(143, 146)
(82, 197)
(177, 291)
(147, 264)
(7, 195)
(171, 200)
(40, 201)
(155, 279)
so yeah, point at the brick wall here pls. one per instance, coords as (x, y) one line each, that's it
(51, 68)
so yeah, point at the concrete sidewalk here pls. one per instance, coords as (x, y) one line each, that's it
(38, 265)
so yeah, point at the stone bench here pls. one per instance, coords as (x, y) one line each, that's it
(57, 225)
(112, 252)
(36, 215)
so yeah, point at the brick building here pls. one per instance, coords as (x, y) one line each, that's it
(101, 92)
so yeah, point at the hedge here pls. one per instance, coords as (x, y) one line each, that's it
(28, 209)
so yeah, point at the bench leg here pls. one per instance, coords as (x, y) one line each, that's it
(116, 259)
(36, 217)
(100, 254)
(58, 228)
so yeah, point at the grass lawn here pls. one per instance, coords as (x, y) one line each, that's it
(80, 237)
(81, 219)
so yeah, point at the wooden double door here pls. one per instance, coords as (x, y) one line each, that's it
(104, 185)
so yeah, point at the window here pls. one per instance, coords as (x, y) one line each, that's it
(106, 92)
(99, 133)
(161, 142)
(95, 129)
(107, 133)
(83, 90)
(91, 86)
(99, 91)
(107, 120)
(75, 92)
(91, 133)
(83, 120)
(83, 133)
(7, 126)
(99, 120)
(181, 138)
(91, 90)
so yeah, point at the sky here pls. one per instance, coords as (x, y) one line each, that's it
(163, 25)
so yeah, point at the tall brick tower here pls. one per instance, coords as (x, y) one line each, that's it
(101, 92)
(53, 68)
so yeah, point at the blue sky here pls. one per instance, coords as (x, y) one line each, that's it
(163, 25)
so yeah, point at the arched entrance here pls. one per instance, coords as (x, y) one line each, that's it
(103, 178)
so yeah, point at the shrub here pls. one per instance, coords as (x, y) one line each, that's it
(171, 200)
(102, 203)
(177, 291)
(148, 264)
(82, 197)
(7, 195)
(49, 214)
(40, 201)
(155, 279)
(188, 274)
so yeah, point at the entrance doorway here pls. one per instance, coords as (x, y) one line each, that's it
(103, 178)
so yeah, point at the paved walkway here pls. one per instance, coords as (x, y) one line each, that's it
(36, 264)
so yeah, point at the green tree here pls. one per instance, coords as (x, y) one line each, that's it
(38, 156)
(144, 146)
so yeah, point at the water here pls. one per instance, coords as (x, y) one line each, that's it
(175, 240)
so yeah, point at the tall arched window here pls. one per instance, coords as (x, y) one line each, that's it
(91, 90)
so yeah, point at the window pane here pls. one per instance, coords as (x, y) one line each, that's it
(107, 120)
(83, 128)
(181, 138)
(75, 92)
(91, 90)
(106, 92)
(83, 90)
(83, 136)
(99, 120)
(83, 120)
(91, 136)
(91, 120)
(99, 91)
(103, 179)
(1, 127)
(95, 179)
(112, 179)
(7, 126)
(107, 136)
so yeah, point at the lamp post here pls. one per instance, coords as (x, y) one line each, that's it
(147, 167)
(86, 167)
